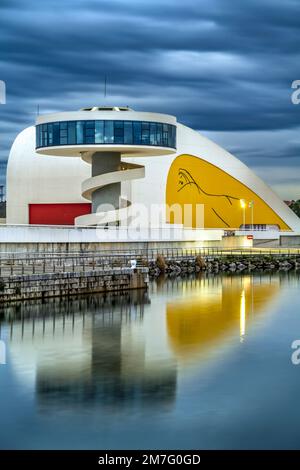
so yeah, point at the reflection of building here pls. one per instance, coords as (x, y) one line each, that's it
(121, 350)
(2, 197)
(187, 169)
(100, 357)
(214, 310)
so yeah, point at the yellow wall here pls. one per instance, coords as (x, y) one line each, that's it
(192, 180)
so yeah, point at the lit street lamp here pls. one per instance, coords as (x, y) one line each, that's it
(243, 206)
(251, 206)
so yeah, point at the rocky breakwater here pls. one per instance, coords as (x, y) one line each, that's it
(232, 263)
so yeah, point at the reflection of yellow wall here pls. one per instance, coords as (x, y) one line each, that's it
(199, 319)
(192, 180)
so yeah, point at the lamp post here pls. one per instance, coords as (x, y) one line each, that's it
(251, 206)
(243, 206)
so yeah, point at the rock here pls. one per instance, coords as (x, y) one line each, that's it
(241, 266)
(161, 263)
(200, 262)
(285, 265)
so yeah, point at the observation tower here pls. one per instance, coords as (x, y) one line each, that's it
(101, 136)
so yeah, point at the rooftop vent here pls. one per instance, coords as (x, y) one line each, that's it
(107, 108)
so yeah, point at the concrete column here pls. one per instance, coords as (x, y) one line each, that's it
(106, 162)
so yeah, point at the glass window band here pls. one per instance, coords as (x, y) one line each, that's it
(105, 132)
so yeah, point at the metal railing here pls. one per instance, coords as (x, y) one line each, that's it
(42, 263)
(22, 266)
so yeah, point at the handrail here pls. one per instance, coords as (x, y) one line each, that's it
(31, 263)
(125, 227)
(165, 251)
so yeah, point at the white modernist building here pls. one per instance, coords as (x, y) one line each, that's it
(87, 167)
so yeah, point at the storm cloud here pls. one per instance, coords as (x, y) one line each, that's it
(223, 67)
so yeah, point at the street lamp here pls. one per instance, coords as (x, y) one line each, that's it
(251, 206)
(243, 206)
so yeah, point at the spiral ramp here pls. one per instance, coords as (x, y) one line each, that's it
(101, 136)
(105, 214)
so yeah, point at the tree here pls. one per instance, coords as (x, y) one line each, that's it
(295, 206)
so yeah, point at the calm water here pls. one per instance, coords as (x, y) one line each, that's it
(193, 363)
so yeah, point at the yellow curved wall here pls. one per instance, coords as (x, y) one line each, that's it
(192, 180)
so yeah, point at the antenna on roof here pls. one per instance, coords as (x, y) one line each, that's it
(38, 110)
(105, 85)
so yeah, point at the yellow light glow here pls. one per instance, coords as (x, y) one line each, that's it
(201, 318)
(243, 314)
(243, 203)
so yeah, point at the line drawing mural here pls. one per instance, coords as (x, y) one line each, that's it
(186, 179)
(193, 180)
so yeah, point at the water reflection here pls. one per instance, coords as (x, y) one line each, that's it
(207, 313)
(120, 351)
(87, 351)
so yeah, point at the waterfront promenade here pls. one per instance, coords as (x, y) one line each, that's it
(18, 264)
(38, 275)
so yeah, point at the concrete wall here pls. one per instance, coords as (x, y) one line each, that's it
(237, 241)
(96, 247)
(290, 241)
(266, 243)
(61, 284)
(64, 239)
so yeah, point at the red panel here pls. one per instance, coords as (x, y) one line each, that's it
(57, 214)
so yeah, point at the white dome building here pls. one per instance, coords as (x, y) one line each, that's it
(47, 184)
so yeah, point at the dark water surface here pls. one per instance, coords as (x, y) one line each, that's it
(192, 363)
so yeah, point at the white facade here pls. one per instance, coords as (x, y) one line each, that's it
(34, 179)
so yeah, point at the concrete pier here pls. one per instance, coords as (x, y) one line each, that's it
(35, 286)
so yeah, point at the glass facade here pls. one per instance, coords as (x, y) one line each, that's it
(105, 132)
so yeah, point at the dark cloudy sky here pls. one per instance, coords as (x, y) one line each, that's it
(224, 67)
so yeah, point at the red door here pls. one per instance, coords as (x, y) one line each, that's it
(57, 214)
